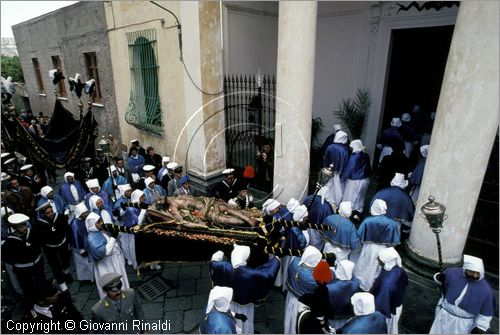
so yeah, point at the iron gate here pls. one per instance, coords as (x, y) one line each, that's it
(250, 116)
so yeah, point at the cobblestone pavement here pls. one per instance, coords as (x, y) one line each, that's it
(183, 304)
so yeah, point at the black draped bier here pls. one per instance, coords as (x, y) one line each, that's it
(66, 142)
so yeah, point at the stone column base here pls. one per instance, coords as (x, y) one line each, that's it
(420, 265)
(200, 183)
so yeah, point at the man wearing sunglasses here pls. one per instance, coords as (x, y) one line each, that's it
(118, 306)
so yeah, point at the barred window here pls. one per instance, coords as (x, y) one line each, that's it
(144, 109)
(56, 63)
(38, 75)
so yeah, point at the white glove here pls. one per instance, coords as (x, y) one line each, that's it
(232, 202)
(409, 174)
(217, 256)
(110, 245)
(66, 212)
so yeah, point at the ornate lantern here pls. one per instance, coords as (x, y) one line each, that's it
(433, 213)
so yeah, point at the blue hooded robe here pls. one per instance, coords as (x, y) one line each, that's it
(389, 289)
(399, 203)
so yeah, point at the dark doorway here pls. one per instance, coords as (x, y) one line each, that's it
(416, 67)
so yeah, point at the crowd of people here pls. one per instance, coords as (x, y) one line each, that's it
(347, 279)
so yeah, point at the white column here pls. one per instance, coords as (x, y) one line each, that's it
(464, 131)
(295, 83)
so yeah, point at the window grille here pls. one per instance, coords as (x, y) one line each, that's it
(144, 109)
(38, 75)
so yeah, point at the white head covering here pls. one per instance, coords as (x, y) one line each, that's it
(44, 191)
(344, 270)
(424, 150)
(345, 209)
(336, 127)
(399, 181)
(148, 181)
(300, 213)
(396, 122)
(340, 137)
(220, 297)
(325, 195)
(292, 204)
(91, 183)
(270, 205)
(379, 207)
(165, 159)
(390, 258)
(357, 146)
(3, 212)
(91, 220)
(124, 188)
(239, 255)
(135, 196)
(172, 166)
(406, 117)
(68, 174)
(93, 202)
(80, 209)
(363, 303)
(112, 169)
(472, 263)
(310, 257)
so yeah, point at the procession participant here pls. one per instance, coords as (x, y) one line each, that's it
(30, 179)
(173, 184)
(376, 232)
(110, 186)
(340, 291)
(415, 177)
(105, 252)
(97, 206)
(342, 239)
(22, 249)
(244, 199)
(152, 191)
(53, 229)
(71, 191)
(78, 242)
(51, 307)
(299, 282)
(389, 288)
(128, 216)
(135, 164)
(338, 155)
(86, 172)
(226, 189)
(218, 318)
(390, 138)
(185, 187)
(164, 169)
(400, 206)
(95, 189)
(134, 144)
(250, 285)
(357, 172)
(138, 197)
(467, 305)
(367, 319)
(55, 200)
(6, 231)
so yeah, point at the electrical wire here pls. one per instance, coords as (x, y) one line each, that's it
(181, 57)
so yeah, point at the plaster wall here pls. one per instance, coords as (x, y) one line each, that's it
(132, 16)
(69, 33)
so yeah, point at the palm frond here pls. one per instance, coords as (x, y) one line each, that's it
(352, 113)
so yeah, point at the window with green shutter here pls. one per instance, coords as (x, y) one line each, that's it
(144, 109)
